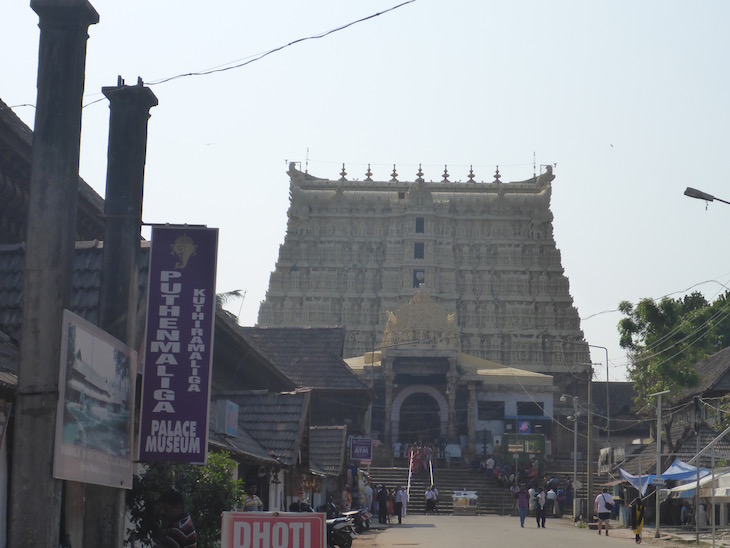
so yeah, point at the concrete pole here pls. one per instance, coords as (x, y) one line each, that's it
(118, 299)
(658, 456)
(589, 449)
(35, 505)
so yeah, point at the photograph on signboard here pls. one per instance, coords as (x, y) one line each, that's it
(95, 407)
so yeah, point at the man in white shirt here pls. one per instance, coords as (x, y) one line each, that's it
(552, 498)
(368, 497)
(603, 505)
(400, 499)
(490, 467)
(430, 501)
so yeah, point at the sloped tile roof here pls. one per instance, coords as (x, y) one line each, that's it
(275, 420)
(621, 396)
(712, 371)
(327, 446)
(310, 356)
(685, 447)
(86, 280)
(8, 364)
(16, 142)
(242, 445)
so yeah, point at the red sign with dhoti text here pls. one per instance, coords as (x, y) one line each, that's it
(273, 530)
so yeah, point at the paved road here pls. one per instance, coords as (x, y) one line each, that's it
(497, 531)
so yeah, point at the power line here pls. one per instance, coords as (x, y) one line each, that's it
(267, 53)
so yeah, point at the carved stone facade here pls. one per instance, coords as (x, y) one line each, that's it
(357, 249)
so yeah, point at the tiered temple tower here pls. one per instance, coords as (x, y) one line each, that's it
(356, 250)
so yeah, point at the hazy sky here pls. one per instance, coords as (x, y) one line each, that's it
(629, 100)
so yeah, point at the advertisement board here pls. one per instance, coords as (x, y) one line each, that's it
(273, 530)
(95, 406)
(179, 345)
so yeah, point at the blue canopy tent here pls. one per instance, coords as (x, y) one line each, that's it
(678, 471)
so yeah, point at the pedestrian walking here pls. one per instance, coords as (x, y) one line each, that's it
(637, 517)
(523, 503)
(552, 502)
(540, 504)
(603, 506)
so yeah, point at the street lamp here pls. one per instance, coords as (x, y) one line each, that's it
(694, 193)
(574, 417)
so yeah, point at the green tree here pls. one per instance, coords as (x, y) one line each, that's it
(209, 491)
(666, 339)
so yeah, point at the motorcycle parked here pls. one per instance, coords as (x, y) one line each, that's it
(360, 519)
(340, 528)
(340, 532)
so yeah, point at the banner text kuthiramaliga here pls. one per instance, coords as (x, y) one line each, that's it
(178, 351)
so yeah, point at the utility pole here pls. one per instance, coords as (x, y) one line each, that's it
(658, 455)
(589, 447)
(118, 300)
(697, 489)
(35, 498)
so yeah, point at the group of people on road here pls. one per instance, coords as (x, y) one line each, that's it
(534, 498)
(386, 503)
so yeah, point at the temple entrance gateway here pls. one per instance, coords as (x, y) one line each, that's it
(419, 412)
(419, 419)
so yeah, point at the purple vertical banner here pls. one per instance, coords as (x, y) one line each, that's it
(178, 351)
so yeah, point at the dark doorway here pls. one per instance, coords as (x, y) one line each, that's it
(419, 419)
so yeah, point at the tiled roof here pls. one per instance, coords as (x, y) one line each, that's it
(275, 420)
(327, 445)
(86, 280)
(685, 447)
(310, 356)
(712, 372)
(621, 395)
(242, 445)
(16, 142)
(8, 364)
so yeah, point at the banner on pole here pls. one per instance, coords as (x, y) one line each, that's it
(178, 345)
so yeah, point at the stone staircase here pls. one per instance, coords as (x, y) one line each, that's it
(493, 499)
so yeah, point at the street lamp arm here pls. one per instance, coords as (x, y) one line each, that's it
(694, 193)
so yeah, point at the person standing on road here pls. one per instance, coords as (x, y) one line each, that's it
(430, 500)
(540, 504)
(399, 494)
(382, 498)
(523, 503)
(603, 505)
(367, 493)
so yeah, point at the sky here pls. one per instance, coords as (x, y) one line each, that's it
(628, 100)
